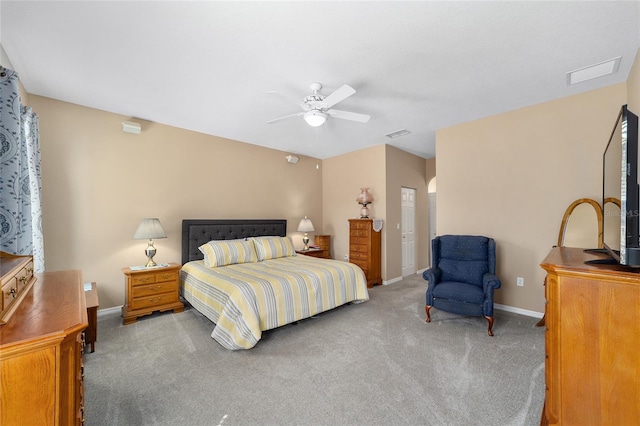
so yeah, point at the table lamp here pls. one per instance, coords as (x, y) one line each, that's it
(149, 229)
(305, 226)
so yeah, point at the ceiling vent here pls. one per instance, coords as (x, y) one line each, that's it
(398, 133)
(593, 71)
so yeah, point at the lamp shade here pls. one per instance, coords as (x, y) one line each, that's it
(364, 197)
(149, 229)
(315, 118)
(305, 225)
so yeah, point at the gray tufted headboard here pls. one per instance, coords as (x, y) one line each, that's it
(196, 232)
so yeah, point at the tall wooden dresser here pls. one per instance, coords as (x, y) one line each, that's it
(365, 249)
(592, 364)
(41, 372)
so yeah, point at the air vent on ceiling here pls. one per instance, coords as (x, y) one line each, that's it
(593, 71)
(398, 133)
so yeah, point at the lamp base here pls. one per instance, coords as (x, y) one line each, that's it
(364, 211)
(150, 251)
(305, 241)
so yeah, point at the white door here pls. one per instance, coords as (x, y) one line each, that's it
(408, 231)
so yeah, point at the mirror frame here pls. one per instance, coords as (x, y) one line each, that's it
(567, 214)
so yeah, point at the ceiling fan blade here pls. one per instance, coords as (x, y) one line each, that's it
(297, 114)
(353, 116)
(339, 95)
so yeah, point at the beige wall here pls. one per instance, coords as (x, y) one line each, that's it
(511, 177)
(405, 170)
(98, 182)
(342, 178)
(384, 170)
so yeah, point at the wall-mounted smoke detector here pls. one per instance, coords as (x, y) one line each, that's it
(292, 159)
(398, 133)
(593, 71)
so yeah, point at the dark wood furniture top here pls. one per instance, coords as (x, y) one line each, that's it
(91, 333)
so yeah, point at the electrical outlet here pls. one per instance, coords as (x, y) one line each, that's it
(346, 257)
(520, 282)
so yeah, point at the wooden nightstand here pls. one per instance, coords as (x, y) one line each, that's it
(91, 332)
(149, 290)
(324, 250)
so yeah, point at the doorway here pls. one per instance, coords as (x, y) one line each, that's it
(408, 226)
(431, 194)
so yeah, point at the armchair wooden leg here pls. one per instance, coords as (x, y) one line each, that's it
(426, 308)
(490, 319)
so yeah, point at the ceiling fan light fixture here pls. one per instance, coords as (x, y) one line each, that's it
(315, 118)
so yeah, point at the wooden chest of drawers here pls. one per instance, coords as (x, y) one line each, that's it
(365, 249)
(149, 290)
(16, 280)
(41, 370)
(592, 363)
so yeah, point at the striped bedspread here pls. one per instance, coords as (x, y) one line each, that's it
(245, 299)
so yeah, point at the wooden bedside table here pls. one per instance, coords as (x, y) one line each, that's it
(91, 332)
(149, 290)
(315, 252)
(324, 250)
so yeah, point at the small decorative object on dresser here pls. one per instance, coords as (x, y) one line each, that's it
(364, 199)
(151, 289)
(365, 249)
(322, 248)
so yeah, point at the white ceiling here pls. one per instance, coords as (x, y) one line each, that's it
(226, 68)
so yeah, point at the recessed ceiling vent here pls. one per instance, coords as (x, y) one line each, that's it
(593, 71)
(398, 133)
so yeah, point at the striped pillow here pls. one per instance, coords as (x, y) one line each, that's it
(228, 252)
(273, 247)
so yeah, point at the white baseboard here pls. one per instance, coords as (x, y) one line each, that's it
(518, 310)
(107, 311)
(391, 281)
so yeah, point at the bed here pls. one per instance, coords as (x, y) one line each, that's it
(245, 276)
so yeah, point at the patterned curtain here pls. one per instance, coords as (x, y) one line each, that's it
(20, 179)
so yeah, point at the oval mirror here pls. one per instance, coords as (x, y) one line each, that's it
(581, 225)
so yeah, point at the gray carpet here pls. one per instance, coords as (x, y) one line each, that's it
(376, 363)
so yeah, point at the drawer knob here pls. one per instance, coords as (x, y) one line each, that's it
(13, 292)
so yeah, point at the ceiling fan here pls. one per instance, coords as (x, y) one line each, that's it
(317, 107)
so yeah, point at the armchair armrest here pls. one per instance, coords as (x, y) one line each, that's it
(490, 281)
(432, 275)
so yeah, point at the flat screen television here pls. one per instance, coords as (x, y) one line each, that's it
(620, 191)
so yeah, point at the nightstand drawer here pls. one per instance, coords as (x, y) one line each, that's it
(153, 300)
(155, 288)
(154, 278)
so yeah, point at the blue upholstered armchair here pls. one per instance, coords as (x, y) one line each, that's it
(462, 277)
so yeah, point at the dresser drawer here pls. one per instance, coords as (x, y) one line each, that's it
(154, 300)
(361, 263)
(359, 248)
(358, 240)
(9, 292)
(143, 279)
(359, 233)
(151, 289)
(365, 224)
